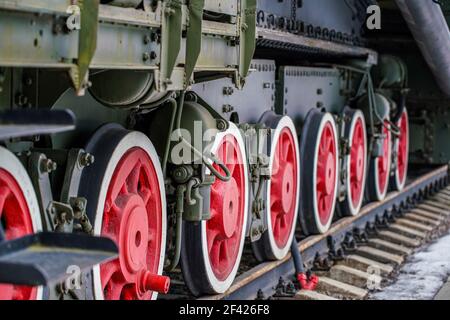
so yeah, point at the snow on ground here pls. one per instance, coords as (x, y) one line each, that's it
(422, 276)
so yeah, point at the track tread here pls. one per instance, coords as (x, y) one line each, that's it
(339, 289)
(389, 247)
(380, 256)
(362, 263)
(399, 239)
(312, 295)
(352, 276)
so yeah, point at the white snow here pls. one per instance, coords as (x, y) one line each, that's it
(422, 276)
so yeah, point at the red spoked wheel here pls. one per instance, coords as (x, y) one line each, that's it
(379, 171)
(401, 145)
(356, 164)
(126, 190)
(319, 147)
(283, 191)
(212, 250)
(19, 214)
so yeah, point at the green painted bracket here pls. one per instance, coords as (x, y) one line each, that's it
(87, 45)
(171, 39)
(194, 36)
(247, 38)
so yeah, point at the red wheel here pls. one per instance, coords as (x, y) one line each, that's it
(320, 172)
(283, 192)
(356, 164)
(379, 170)
(212, 250)
(125, 188)
(19, 214)
(401, 145)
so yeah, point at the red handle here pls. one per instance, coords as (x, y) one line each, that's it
(306, 283)
(153, 282)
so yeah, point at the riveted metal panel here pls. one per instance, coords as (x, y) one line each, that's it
(306, 88)
(339, 15)
(225, 99)
(229, 7)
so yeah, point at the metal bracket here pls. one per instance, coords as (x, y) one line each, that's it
(77, 160)
(247, 45)
(62, 216)
(259, 175)
(193, 37)
(171, 34)
(87, 45)
(39, 167)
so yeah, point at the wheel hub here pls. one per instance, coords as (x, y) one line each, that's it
(133, 235)
(288, 188)
(228, 199)
(359, 163)
(330, 173)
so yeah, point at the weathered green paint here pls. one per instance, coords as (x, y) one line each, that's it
(171, 39)
(247, 37)
(194, 36)
(87, 41)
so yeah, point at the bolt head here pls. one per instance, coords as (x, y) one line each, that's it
(86, 159)
(221, 125)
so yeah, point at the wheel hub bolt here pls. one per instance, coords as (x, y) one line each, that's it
(48, 165)
(86, 159)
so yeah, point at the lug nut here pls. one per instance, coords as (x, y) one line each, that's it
(48, 165)
(86, 159)
(221, 125)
